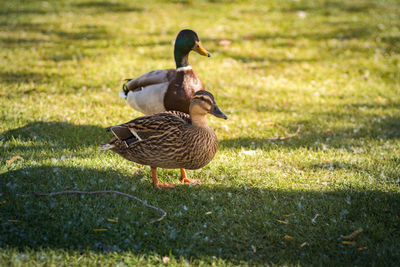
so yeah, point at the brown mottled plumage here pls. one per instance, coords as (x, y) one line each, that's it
(170, 139)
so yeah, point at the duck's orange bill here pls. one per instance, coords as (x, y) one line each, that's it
(199, 48)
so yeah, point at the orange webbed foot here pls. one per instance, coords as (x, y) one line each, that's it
(156, 183)
(191, 181)
(164, 185)
(185, 180)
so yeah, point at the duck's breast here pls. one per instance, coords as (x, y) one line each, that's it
(181, 90)
(201, 146)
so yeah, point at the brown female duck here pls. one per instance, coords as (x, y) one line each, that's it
(169, 139)
(172, 89)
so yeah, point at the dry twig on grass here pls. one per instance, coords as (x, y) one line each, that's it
(11, 160)
(353, 235)
(164, 213)
(279, 137)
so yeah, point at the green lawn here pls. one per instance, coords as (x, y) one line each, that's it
(330, 67)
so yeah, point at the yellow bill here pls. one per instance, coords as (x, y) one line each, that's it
(198, 47)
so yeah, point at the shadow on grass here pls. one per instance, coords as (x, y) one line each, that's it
(65, 43)
(26, 77)
(84, 7)
(231, 223)
(331, 7)
(269, 59)
(342, 32)
(58, 135)
(106, 6)
(393, 44)
(85, 32)
(21, 42)
(25, 11)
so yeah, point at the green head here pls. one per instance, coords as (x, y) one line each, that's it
(186, 41)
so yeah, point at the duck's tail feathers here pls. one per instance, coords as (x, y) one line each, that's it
(105, 147)
(123, 95)
(125, 89)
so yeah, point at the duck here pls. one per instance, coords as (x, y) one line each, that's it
(171, 89)
(170, 139)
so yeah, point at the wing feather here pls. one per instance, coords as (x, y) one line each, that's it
(152, 77)
(149, 126)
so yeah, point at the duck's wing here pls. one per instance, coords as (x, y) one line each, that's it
(145, 127)
(158, 123)
(152, 77)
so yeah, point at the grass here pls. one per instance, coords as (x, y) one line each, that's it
(332, 67)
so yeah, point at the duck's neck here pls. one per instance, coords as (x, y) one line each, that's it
(181, 59)
(199, 121)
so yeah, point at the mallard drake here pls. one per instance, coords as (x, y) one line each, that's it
(170, 139)
(172, 89)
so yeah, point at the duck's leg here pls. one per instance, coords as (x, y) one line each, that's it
(155, 180)
(185, 180)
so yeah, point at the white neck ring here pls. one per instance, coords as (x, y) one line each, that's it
(184, 68)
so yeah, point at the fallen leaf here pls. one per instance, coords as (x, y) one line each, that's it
(99, 230)
(14, 159)
(282, 222)
(112, 220)
(225, 42)
(15, 221)
(301, 14)
(303, 244)
(381, 100)
(289, 238)
(208, 212)
(353, 235)
(362, 248)
(286, 215)
(349, 242)
(165, 260)
(280, 137)
(251, 183)
(253, 55)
